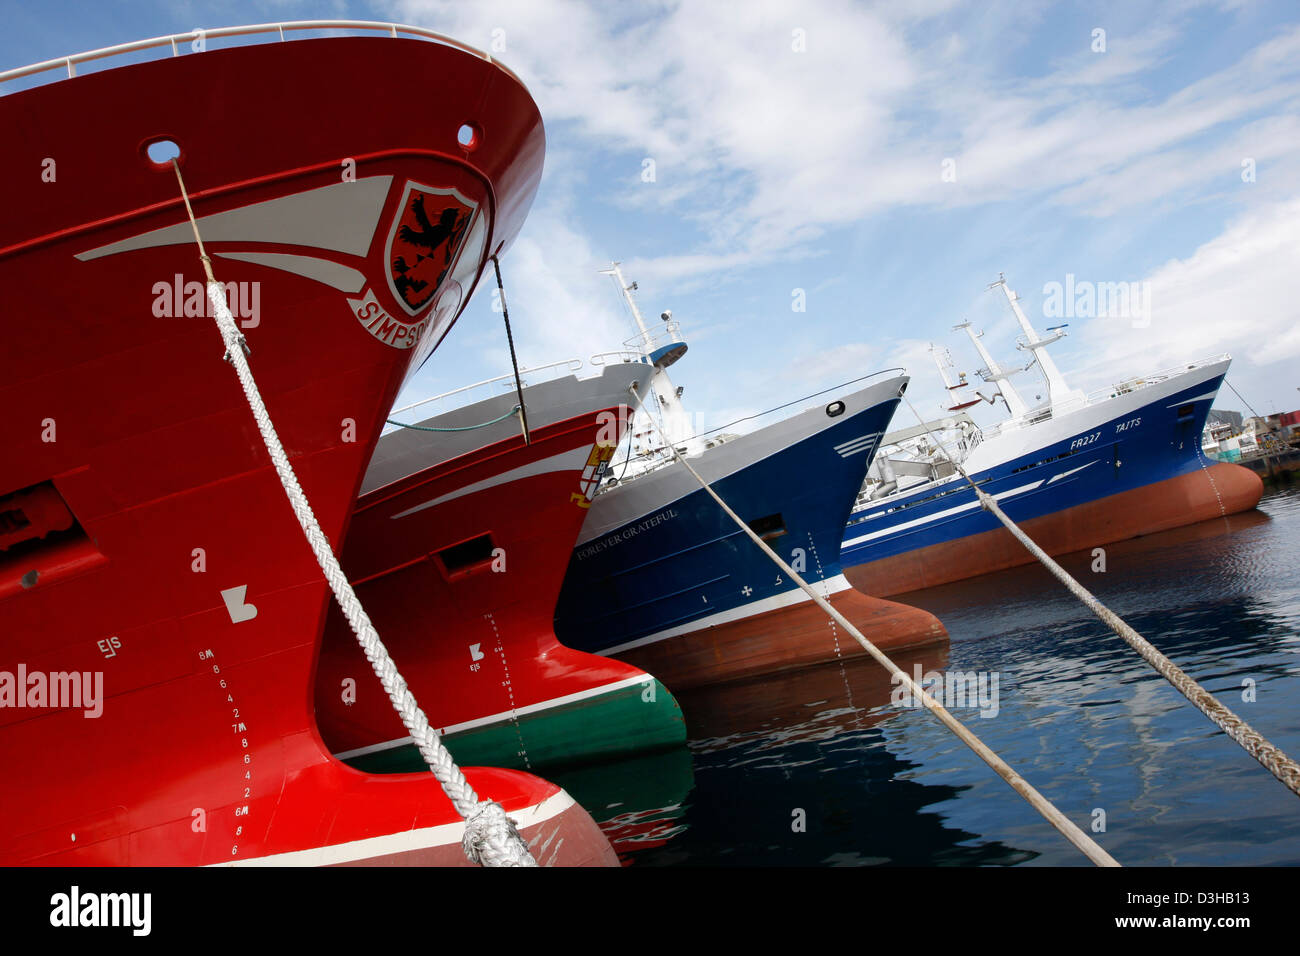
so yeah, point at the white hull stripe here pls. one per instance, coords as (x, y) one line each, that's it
(1067, 474)
(1198, 398)
(342, 218)
(775, 602)
(915, 522)
(858, 450)
(391, 844)
(571, 460)
(641, 680)
(862, 441)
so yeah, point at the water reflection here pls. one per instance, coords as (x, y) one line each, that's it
(789, 770)
(1091, 725)
(639, 803)
(820, 767)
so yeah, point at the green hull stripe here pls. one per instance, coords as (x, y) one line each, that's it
(630, 720)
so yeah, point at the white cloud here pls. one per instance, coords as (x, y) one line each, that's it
(763, 149)
(1238, 293)
(760, 151)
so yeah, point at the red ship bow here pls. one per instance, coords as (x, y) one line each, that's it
(164, 557)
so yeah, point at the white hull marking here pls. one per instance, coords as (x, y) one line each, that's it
(915, 522)
(789, 598)
(393, 844)
(571, 460)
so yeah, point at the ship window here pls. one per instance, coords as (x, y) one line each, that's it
(773, 526)
(162, 151)
(1045, 461)
(466, 555)
(468, 136)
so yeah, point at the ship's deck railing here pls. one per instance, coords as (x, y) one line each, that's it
(910, 447)
(649, 341)
(628, 465)
(771, 415)
(1103, 394)
(614, 358)
(962, 434)
(490, 388)
(265, 32)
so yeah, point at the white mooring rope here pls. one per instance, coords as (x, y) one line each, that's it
(1055, 817)
(490, 836)
(1273, 759)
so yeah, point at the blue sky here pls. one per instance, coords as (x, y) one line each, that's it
(803, 147)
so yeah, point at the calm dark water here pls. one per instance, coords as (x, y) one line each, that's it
(1079, 715)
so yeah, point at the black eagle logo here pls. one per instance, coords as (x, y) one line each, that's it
(427, 240)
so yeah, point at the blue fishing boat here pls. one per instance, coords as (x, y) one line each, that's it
(1077, 471)
(661, 574)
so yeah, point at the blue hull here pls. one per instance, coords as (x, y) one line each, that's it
(687, 561)
(1149, 444)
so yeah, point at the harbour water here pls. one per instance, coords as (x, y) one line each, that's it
(820, 768)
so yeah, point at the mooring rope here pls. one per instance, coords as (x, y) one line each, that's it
(490, 836)
(1239, 395)
(514, 362)
(1055, 817)
(1273, 759)
(464, 428)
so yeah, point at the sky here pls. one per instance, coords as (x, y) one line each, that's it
(820, 190)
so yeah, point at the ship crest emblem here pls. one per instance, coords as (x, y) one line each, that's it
(592, 474)
(425, 241)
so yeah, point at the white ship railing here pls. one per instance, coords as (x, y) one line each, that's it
(268, 32)
(763, 419)
(490, 388)
(617, 358)
(906, 486)
(1103, 394)
(628, 465)
(648, 342)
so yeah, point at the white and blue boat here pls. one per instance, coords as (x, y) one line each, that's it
(660, 573)
(1077, 471)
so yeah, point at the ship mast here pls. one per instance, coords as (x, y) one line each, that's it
(943, 367)
(992, 372)
(944, 364)
(1031, 341)
(659, 352)
(627, 291)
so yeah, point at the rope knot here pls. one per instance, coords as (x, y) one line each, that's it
(491, 838)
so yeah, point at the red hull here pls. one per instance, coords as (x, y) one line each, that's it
(206, 750)
(1216, 491)
(473, 636)
(798, 636)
